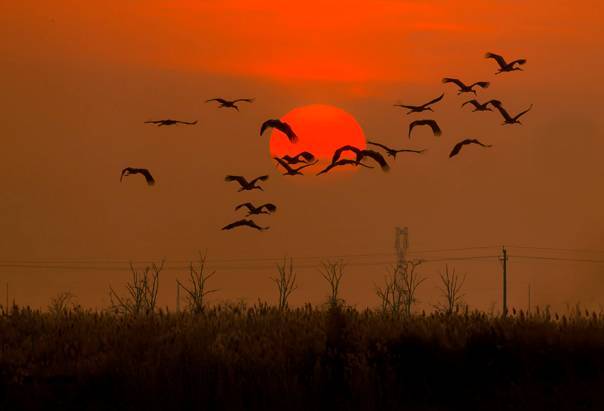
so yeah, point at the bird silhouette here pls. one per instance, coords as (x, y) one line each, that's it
(230, 103)
(303, 157)
(342, 162)
(360, 155)
(243, 223)
(281, 126)
(289, 170)
(143, 171)
(506, 116)
(479, 106)
(267, 208)
(423, 107)
(503, 65)
(457, 148)
(431, 123)
(463, 88)
(392, 152)
(170, 122)
(246, 185)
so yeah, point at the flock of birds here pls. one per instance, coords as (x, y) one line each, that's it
(293, 165)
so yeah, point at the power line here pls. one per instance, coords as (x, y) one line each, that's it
(578, 260)
(571, 250)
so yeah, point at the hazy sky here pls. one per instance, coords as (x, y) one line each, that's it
(78, 80)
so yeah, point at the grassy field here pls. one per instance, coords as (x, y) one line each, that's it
(234, 357)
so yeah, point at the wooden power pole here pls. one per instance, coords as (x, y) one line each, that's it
(505, 282)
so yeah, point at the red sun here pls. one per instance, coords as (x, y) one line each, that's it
(321, 130)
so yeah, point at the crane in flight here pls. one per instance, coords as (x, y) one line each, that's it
(463, 88)
(421, 108)
(282, 127)
(289, 170)
(267, 208)
(244, 223)
(457, 148)
(504, 66)
(170, 122)
(245, 184)
(230, 103)
(430, 123)
(508, 119)
(142, 171)
(392, 152)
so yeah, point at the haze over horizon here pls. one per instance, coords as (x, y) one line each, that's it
(79, 80)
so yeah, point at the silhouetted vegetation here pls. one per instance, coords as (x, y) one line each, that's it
(234, 357)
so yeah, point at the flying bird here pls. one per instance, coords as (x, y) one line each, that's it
(242, 223)
(342, 162)
(267, 208)
(503, 65)
(230, 103)
(131, 170)
(423, 107)
(458, 146)
(170, 122)
(281, 126)
(463, 88)
(506, 116)
(392, 152)
(431, 123)
(360, 155)
(289, 170)
(480, 107)
(246, 185)
(303, 157)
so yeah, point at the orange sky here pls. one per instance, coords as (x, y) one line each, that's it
(79, 78)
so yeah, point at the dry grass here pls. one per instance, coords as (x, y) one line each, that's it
(234, 357)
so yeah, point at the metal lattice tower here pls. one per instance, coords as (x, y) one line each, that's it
(401, 245)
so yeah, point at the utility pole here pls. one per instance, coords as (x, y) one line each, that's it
(401, 247)
(505, 282)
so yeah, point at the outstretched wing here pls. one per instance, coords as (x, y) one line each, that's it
(457, 148)
(436, 100)
(499, 59)
(148, 177)
(192, 123)
(377, 157)
(154, 122)
(407, 150)
(124, 171)
(523, 113)
(379, 145)
(405, 106)
(252, 224)
(339, 151)
(220, 100)
(261, 178)
(235, 224)
(519, 62)
(474, 102)
(481, 84)
(240, 179)
(247, 100)
(267, 124)
(283, 163)
(504, 113)
(249, 206)
(306, 155)
(433, 125)
(306, 165)
(289, 132)
(459, 83)
(270, 207)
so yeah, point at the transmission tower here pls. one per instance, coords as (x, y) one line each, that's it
(401, 243)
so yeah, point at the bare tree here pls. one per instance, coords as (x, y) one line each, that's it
(198, 291)
(61, 303)
(398, 294)
(451, 290)
(332, 272)
(142, 292)
(286, 282)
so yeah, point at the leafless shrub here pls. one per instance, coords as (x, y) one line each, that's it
(142, 292)
(197, 292)
(62, 303)
(332, 272)
(451, 291)
(286, 282)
